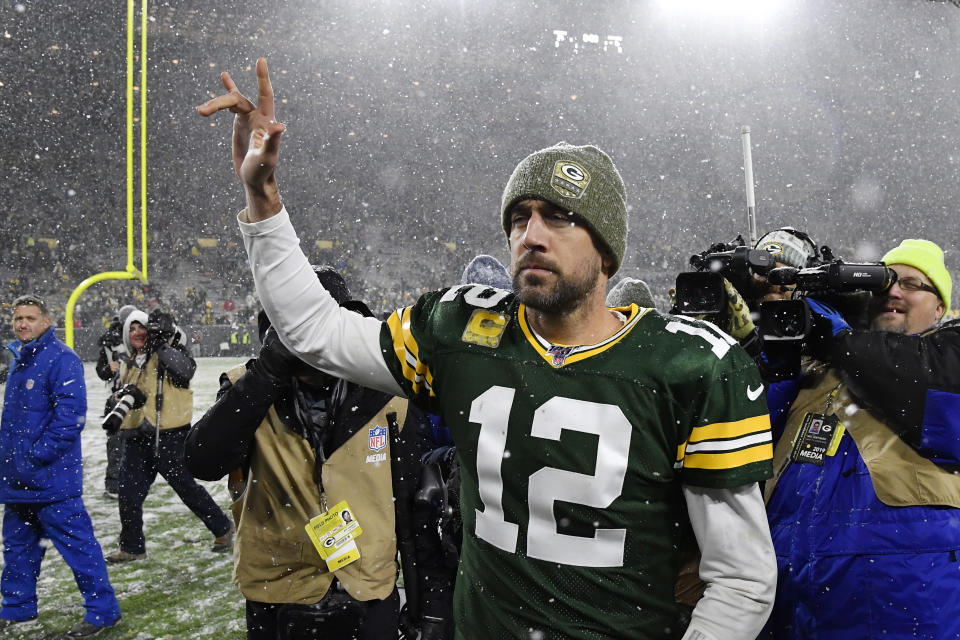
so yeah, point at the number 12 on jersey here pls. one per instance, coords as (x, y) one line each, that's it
(491, 410)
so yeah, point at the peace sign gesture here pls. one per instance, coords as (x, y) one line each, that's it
(256, 140)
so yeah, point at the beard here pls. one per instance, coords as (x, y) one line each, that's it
(564, 296)
(882, 324)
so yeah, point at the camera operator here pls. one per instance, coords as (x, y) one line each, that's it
(790, 248)
(112, 351)
(863, 506)
(300, 445)
(153, 426)
(745, 286)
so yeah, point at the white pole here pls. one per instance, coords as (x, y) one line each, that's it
(748, 178)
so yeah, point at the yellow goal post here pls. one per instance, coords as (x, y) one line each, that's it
(131, 272)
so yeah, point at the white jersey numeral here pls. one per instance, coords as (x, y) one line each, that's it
(720, 342)
(492, 410)
(476, 295)
(548, 485)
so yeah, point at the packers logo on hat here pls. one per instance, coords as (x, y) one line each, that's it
(569, 179)
(773, 248)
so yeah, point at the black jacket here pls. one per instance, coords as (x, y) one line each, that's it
(894, 374)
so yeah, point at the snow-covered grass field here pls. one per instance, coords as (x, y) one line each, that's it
(181, 590)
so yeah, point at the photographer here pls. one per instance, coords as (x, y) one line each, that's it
(299, 444)
(154, 408)
(745, 286)
(790, 248)
(112, 352)
(863, 507)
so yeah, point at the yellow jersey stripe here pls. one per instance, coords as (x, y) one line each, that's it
(728, 460)
(396, 323)
(727, 430)
(406, 350)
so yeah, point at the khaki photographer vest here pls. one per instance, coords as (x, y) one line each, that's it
(177, 408)
(901, 477)
(274, 560)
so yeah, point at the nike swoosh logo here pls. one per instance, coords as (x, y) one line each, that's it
(753, 394)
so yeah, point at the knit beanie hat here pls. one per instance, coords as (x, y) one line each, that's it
(789, 246)
(125, 311)
(630, 291)
(487, 270)
(582, 180)
(927, 257)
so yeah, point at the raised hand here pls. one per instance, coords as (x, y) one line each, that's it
(256, 141)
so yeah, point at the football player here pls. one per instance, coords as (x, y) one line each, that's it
(594, 443)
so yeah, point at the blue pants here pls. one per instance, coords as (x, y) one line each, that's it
(139, 467)
(68, 527)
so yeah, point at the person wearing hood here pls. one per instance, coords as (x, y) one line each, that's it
(112, 351)
(630, 291)
(484, 269)
(41, 475)
(298, 445)
(865, 499)
(158, 406)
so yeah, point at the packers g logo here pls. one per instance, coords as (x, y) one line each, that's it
(569, 179)
(773, 248)
(485, 328)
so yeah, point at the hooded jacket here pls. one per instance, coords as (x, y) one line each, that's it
(44, 411)
(178, 368)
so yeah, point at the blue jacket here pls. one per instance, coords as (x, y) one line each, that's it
(851, 566)
(44, 410)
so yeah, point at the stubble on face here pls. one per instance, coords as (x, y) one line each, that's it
(565, 294)
(889, 322)
(890, 325)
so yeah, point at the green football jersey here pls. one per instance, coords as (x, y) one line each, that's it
(572, 457)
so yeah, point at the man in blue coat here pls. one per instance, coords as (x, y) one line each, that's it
(864, 506)
(41, 476)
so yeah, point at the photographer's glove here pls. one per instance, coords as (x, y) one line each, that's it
(277, 363)
(827, 325)
(139, 397)
(127, 398)
(740, 324)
